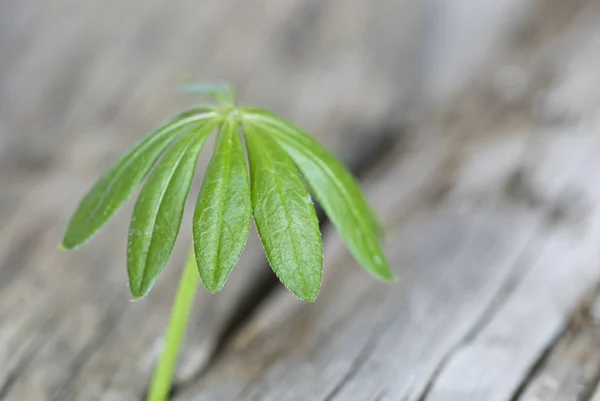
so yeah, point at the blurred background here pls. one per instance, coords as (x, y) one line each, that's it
(473, 126)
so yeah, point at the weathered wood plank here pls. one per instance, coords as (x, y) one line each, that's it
(78, 83)
(490, 273)
(494, 362)
(464, 217)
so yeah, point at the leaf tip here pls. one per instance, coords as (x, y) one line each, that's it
(75, 238)
(137, 290)
(307, 295)
(386, 275)
(213, 288)
(137, 294)
(135, 298)
(311, 298)
(212, 283)
(390, 278)
(68, 244)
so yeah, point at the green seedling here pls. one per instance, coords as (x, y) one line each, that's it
(258, 170)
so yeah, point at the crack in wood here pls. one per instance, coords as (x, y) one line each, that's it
(327, 335)
(522, 265)
(585, 317)
(513, 278)
(570, 368)
(536, 366)
(377, 333)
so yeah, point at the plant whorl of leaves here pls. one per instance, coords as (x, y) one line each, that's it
(273, 194)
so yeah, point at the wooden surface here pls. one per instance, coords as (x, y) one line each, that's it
(492, 202)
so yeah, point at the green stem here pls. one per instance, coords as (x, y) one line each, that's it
(180, 312)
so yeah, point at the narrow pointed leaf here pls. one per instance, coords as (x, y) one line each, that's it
(159, 209)
(334, 187)
(110, 192)
(223, 211)
(285, 216)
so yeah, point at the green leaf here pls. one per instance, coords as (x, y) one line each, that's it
(285, 216)
(223, 211)
(108, 194)
(159, 209)
(334, 187)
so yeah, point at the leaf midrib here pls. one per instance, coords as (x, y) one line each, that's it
(222, 190)
(200, 137)
(277, 186)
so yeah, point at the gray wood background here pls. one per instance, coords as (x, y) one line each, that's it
(474, 127)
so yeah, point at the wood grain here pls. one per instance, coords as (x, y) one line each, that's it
(570, 369)
(494, 248)
(491, 201)
(79, 82)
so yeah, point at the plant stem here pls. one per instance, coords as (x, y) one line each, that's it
(180, 312)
